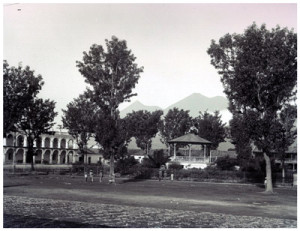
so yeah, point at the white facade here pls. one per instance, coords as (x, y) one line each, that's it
(50, 149)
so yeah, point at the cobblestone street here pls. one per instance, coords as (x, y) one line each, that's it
(113, 215)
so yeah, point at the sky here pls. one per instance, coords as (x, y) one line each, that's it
(169, 40)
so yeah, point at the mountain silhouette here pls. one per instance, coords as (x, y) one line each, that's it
(136, 106)
(194, 103)
(197, 102)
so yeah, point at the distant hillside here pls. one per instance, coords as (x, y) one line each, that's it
(197, 102)
(136, 106)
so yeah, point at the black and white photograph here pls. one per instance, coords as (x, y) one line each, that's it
(149, 115)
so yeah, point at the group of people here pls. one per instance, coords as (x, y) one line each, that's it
(162, 173)
(89, 176)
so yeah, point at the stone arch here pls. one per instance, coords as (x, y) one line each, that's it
(70, 157)
(20, 141)
(63, 157)
(70, 144)
(55, 143)
(47, 157)
(55, 157)
(38, 157)
(19, 156)
(10, 140)
(63, 143)
(39, 142)
(9, 155)
(47, 142)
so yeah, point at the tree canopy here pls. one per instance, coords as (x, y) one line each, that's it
(23, 110)
(210, 127)
(259, 73)
(111, 74)
(79, 118)
(20, 87)
(144, 126)
(176, 123)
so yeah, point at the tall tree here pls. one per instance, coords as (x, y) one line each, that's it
(241, 139)
(37, 119)
(144, 126)
(259, 73)
(20, 87)
(210, 127)
(287, 133)
(114, 137)
(79, 118)
(176, 123)
(112, 74)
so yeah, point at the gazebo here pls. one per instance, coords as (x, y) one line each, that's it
(191, 139)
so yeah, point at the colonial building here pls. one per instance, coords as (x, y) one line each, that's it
(59, 148)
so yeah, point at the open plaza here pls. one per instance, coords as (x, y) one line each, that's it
(56, 201)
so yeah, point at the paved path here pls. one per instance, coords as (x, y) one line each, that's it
(123, 216)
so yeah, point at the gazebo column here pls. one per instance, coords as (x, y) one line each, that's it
(174, 151)
(190, 151)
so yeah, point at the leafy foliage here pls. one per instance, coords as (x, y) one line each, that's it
(259, 73)
(23, 111)
(20, 87)
(125, 165)
(158, 159)
(210, 127)
(226, 163)
(241, 139)
(79, 119)
(176, 123)
(113, 136)
(144, 126)
(112, 74)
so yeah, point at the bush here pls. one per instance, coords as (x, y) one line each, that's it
(226, 163)
(123, 166)
(145, 173)
(175, 166)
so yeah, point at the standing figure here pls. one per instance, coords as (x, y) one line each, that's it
(85, 176)
(160, 174)
(91, 175)
(100, 175)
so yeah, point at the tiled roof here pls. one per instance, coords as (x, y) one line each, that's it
(190, 139)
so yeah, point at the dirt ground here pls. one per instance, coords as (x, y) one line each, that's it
(235, 199)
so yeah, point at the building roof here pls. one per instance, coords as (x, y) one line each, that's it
(190, 138)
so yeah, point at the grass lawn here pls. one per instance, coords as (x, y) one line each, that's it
(235, 199)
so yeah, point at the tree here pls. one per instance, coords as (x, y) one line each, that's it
(241, 139)
(20, 87)
(114, 137)
(287, 132)
(144, 126)
(210, 127)
(79, 118)
(112, 74)
(158, 159)
(37, 119)
(176, 123)
(259, 73)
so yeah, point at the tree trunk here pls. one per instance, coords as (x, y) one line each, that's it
(30, 152)
(112, 169)
(283, 171)
(269, 185)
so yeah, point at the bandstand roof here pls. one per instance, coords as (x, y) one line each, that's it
(189, 139)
